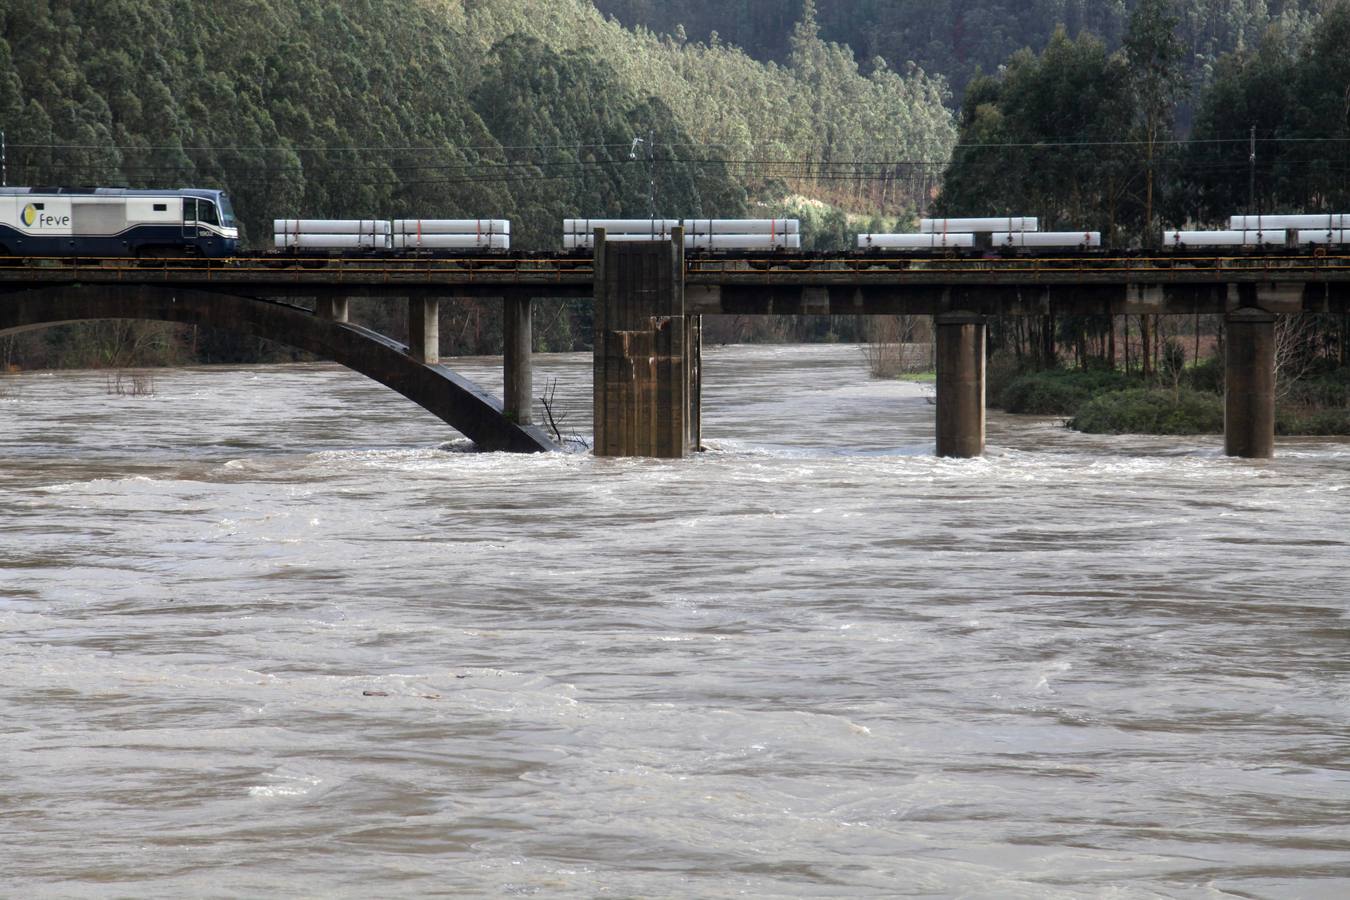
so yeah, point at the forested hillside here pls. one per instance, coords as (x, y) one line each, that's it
(957, 38)
(1089, 139)
(531, 110)
(525, 109)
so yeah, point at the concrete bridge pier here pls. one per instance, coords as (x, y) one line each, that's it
(334, 309)
(695, 345)
(424, 329)
(645, 385)
(960, 384)
(1249, 384)
(517, 375)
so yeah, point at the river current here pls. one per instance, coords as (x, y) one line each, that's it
(274, 632)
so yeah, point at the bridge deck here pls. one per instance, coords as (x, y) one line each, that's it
(832, 284)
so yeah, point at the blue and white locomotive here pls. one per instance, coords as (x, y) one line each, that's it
(101, 222)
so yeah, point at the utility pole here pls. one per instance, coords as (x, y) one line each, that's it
(1251, 176)
(651, 175)
(649, 140)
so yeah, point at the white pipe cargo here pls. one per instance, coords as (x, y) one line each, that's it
(579, 241)
(691, 226)
(1326, 236)
(743, 241)
(1047, 238)
(452, 242)
(1323, 221)
(452, 226)
(330, 226)
(742, 226)
(987, 223)
(915, 241)
(696, 242)
(332, 241)
(1220, 238)
(656, 227)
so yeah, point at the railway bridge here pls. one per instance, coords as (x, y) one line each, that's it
(649, 303)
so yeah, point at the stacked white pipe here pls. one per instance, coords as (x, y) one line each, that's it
(1228, 238)
(1330, 236)
(938, 241)
(1313, 222)
(452, 234)
(580, 233)
(331, 234)
(742, 234)
(985, 223)
(1047, 239)
(702, 234)
(942, 234)
(1267, 231)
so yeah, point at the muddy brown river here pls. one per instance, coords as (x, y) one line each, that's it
(274, 632)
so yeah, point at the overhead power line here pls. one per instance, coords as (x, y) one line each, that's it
(624, 145)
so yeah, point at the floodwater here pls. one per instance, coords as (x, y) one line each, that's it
(272, 632)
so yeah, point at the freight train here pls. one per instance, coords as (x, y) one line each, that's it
(114, 222)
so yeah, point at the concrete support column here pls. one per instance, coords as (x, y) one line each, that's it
(424, 329)
(1249, 384)
(960, 384)
(518, 376)
(332, 308)
(694, 343)
(643, 384)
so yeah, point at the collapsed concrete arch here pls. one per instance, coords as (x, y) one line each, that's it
(450, 397)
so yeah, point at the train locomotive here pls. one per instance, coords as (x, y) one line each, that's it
(108, 222)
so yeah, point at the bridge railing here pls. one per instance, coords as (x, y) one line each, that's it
(574, 270)
(882, 266)
(336, 269)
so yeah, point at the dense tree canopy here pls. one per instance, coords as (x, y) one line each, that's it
(1088, 139)
(1038, 141)
(1297, 97)
(960, 38)
(527, 109)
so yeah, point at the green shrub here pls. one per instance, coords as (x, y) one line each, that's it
(1057, 392)
(999, 372)
(1207, 375)
(1320, 422)
(1151, 411)
(1321, 390)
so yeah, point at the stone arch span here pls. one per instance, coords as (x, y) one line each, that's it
(454, 399)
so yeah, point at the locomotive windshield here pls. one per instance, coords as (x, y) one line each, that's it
(226, 211)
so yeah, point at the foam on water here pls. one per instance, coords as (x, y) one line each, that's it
(276, 631)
